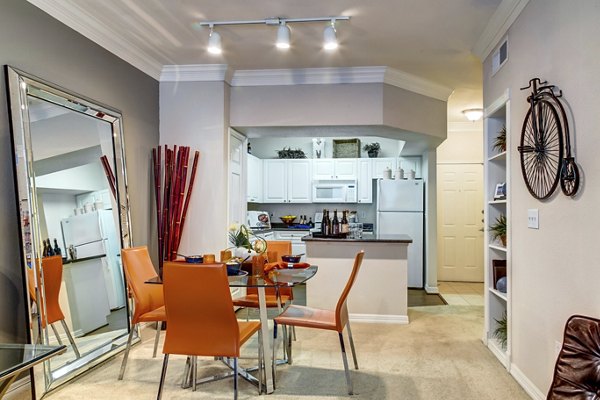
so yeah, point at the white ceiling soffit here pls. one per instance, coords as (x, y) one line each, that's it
(467, 126)
(94, 30)
(306, 76)
(506, 13)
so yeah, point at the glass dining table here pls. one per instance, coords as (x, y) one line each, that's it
(16, 358)
(276, 278)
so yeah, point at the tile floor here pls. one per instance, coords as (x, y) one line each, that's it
(462, 293)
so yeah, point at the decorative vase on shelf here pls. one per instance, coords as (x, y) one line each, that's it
(373, 153)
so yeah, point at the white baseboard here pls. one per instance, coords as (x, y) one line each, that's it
(432, 289)
(526, 384)
(380, 319)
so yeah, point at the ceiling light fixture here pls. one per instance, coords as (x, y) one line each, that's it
(283, 31)
(473, 114)
(283, 37)
(214, 42)
(329, 39)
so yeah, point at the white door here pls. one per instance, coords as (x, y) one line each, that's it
(299, 181)
(323, 169)
(365, 183)
(460, 206)
(275, 181)
(237, 185)
(345, 168)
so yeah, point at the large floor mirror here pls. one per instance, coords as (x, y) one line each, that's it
(74, 213)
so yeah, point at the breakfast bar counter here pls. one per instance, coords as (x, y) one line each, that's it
(381, 289)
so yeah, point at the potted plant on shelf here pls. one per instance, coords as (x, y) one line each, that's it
(498, 229)
(500, 141)
(501, 330)
(372, 149)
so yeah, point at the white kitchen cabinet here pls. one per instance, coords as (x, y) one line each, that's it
(254, 190)
(340, 168)
(379, 165)
(408, 163)
(365, 181)
(298, 246)
(287, 181)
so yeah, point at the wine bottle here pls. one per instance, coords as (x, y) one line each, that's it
(45, 250)
(327, 224)
(57, 250)
(310, 222)
(50, 251)
(345, 228)
(335, 224)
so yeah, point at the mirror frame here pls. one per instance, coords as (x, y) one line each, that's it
(20, 85)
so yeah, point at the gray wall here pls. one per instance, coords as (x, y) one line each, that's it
(36, 43)
(554, 269)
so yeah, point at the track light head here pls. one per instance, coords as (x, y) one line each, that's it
(283, 36)
(329, 39)
(214, 42)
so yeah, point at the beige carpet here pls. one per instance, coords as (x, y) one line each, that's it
(439, 355)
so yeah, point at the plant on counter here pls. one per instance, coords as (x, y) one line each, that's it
(240, 238)
(498, 229)
(372, 149)
(501, 330)
(289, 153)
(500, 141)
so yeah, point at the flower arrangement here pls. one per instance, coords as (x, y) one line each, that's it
(240, 235)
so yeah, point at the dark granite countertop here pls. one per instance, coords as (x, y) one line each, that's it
(366, 238)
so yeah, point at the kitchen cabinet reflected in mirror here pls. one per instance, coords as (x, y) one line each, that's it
(74, 221)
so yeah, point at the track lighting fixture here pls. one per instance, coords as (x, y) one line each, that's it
(214, 42)
(283, 31)
(329, 39)
(283, 37)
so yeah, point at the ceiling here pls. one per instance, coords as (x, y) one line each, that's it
(432, 39)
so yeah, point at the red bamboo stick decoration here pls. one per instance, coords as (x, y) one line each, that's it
(156, 161)
(174, 198)
(189, 191)
(184, 174)
(109, 176)
(165, 214)
(178, 200)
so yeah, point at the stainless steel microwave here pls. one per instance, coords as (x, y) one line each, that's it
(334, 191)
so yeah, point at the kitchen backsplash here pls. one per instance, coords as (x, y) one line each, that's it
(365, 212)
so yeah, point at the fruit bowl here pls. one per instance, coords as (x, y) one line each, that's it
(291, 259)
(288, 219)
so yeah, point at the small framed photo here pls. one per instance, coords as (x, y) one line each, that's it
(500, 192)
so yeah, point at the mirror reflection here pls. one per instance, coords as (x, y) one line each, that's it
(74, 222)
(77, 223)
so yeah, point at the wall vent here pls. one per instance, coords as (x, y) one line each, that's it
(500, 56)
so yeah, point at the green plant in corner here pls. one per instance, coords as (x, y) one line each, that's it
(501, 330)
(498, 229)
(500, 141)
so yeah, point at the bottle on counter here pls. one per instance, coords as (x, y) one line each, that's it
(50, 251)
(45, 250)
(325, 225)
(310, 222)
(344, 226)
(335, 224)
(57, 250)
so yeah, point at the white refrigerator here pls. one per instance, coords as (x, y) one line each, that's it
(400, 205)
(94, 234)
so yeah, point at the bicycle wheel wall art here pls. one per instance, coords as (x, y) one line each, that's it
(545, 146)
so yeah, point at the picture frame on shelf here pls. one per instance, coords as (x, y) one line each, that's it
(500, 192)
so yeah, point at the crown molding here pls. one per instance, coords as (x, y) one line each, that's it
(195, 73)
(416, 84)
(325, 76)
(504, 16)
(75, 17)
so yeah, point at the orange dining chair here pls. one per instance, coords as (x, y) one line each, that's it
(149, 304)
(52, 270)
(200, 318)
(250, 300)
(309, 317)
